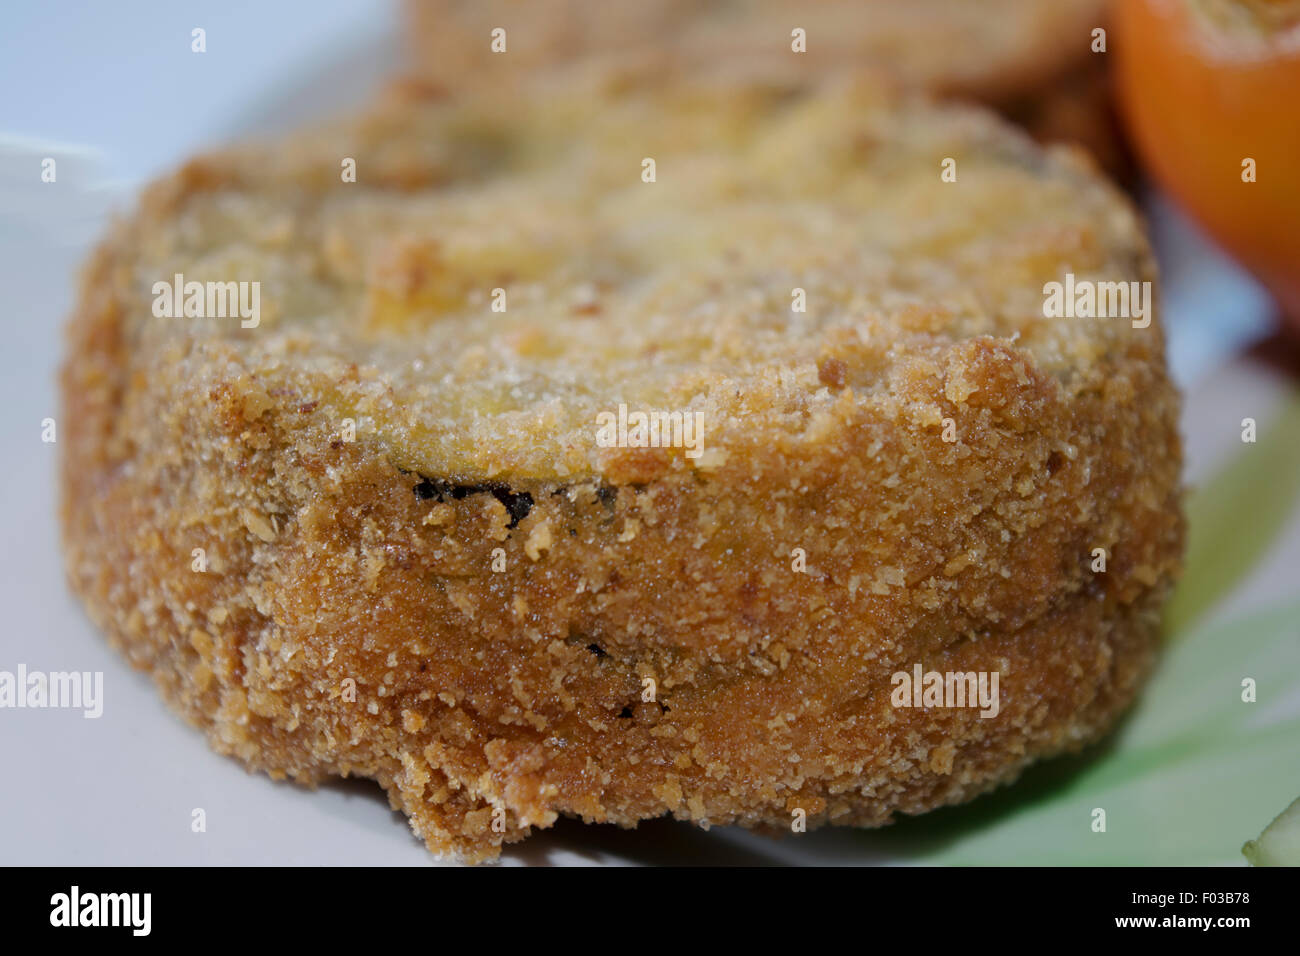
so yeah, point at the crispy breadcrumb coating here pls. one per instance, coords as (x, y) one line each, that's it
(422, 568)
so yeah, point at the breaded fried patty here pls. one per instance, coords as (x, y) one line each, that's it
(1033, 60)
(388, 530)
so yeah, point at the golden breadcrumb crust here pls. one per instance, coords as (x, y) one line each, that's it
(354, 467)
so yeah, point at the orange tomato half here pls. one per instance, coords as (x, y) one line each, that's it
(1210, 91)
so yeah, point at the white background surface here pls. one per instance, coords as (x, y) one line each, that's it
(115, 84)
